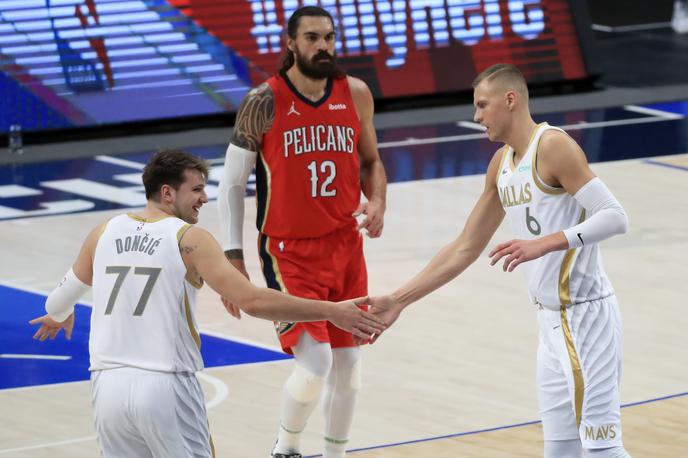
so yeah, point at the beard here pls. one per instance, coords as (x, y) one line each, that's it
(323, 65)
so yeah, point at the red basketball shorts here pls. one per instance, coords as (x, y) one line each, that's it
(330, 268)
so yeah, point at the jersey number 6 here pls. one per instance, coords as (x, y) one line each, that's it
(533, 224)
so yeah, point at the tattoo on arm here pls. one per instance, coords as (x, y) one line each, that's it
(254, 118)
(234, 254)
(186, 249)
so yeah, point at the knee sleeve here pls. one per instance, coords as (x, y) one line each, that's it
(346, 368)
(356, 376)
(303, 385)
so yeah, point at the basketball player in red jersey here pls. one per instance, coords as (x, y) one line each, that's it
(309, 131)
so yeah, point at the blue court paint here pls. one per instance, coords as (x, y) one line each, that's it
(679, 107)
(90, 185)
(17, 307)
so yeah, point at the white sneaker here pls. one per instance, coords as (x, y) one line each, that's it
(679, 21)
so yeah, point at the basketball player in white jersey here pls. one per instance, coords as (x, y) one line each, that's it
(559, 211)
(144, 345)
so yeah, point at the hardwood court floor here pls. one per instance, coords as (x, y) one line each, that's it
(461, 360)
(663, 419)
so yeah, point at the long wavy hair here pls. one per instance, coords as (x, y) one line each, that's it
(288, 58)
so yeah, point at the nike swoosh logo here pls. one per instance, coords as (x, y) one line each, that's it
(581, 238)
(555, 327)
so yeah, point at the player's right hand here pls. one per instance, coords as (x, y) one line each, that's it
(234, 309)
(51, 328)
(231, 308)
(347, 315)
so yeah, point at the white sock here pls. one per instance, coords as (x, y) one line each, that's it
(339, 399)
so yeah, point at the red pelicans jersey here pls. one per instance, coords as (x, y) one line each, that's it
(307, 174)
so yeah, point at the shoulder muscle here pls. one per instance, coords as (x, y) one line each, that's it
(562, 162)
(363, 98)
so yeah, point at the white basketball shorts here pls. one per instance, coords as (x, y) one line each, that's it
(140, 413)
(578, 371)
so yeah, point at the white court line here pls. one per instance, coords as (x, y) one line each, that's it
(21, 356)
(221, 389)
(471, 125)
(652, 112)
(122, 162)
(578, 126)
(631, 28)
(208, 332)
(221, 393)
(49, 444)
(221, 335)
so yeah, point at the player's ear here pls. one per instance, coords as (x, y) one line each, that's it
(166, 193)
(510, 99)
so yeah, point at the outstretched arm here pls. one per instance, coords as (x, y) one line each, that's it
(203, 255)
(455, 257)
(60, 302)
(373, 177)
(561, 162)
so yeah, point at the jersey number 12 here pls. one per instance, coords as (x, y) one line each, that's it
(329, 170)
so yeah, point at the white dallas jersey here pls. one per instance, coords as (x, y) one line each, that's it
(143, 308)
(535, 209)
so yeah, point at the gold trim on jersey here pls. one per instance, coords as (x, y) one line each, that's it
(189, 321)
(565, 271)
(275, 267)
(268, 185)
(511, 152)
(192, 281)
(565, 277)
(502, 163)
(578, 382)
(182, 230)
(141, 219)
(544, 187)
(198, 284)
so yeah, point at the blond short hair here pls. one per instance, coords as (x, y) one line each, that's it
(507, 75)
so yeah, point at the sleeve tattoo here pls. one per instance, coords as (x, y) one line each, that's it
(254, 118)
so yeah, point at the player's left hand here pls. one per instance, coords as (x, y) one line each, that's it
(51, 328)
(388, 309)
(516, 252)
(374, 220)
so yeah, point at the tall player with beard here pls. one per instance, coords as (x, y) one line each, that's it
(309, 131)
